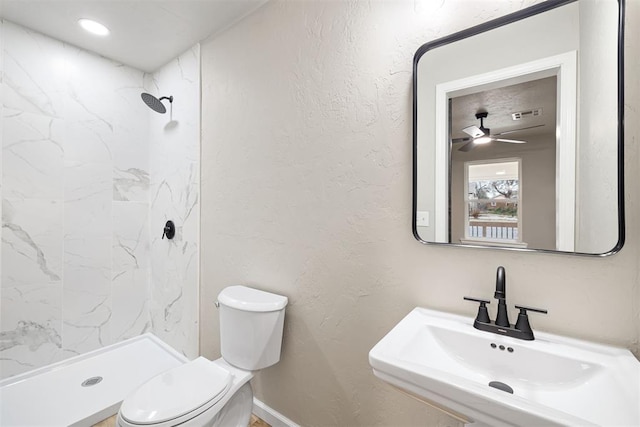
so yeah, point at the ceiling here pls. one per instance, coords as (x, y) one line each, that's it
(145, 34)
(500, 103)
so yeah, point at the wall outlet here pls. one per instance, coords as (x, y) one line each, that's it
(422, 218)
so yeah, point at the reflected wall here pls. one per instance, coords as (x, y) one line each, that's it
(584, 33)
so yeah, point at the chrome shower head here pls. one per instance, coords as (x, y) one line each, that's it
(156, 104)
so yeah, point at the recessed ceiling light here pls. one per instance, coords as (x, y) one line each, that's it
(93, 27)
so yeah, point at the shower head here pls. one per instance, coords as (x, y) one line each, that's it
(154, 103)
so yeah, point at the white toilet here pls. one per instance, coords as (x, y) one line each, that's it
(205, 393)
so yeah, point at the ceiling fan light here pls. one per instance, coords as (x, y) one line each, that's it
(483, 140)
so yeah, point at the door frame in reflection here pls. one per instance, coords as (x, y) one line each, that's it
(564, 67)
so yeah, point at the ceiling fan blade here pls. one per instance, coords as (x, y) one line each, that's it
(468, 146)
(473, 131)
(516, 130)
(511, 141)
(457, 140)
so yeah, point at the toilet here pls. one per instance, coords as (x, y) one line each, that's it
(215, 393)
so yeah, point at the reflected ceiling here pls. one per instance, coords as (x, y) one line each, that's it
(500, 103)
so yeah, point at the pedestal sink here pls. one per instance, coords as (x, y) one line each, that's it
(484, 378)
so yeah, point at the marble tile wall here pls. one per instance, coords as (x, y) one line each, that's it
(175, 183)
(79, 202)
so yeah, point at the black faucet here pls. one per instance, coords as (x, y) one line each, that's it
(521, 330)
(502, 319)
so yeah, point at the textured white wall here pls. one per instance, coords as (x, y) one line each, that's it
(306, 191)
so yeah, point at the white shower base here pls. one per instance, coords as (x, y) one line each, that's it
(53, 395)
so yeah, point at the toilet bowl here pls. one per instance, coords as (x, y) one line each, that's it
(215, 393)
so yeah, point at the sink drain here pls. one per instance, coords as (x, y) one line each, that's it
(501, 386)
(91, 381)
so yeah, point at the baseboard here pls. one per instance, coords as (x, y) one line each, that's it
(271, 416)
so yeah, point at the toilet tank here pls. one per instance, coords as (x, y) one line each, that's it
(251, 325)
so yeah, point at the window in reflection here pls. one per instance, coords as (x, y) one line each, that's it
(492, 201)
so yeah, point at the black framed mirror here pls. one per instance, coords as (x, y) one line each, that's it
(518, 132)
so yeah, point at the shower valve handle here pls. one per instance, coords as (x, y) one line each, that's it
(169, 230)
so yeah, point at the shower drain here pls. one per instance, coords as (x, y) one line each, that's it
(91, 381)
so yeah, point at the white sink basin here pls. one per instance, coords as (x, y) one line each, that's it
(554, 380)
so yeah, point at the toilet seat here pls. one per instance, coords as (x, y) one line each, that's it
(178, 394)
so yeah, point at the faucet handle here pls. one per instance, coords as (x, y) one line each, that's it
(524, 309)
(523, 320)
(483, 314)
(477, 300)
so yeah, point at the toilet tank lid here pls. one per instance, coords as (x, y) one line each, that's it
(249, 299)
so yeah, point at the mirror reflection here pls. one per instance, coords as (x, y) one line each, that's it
(516, 138)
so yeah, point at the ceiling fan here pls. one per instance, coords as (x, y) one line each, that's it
(482, 135)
